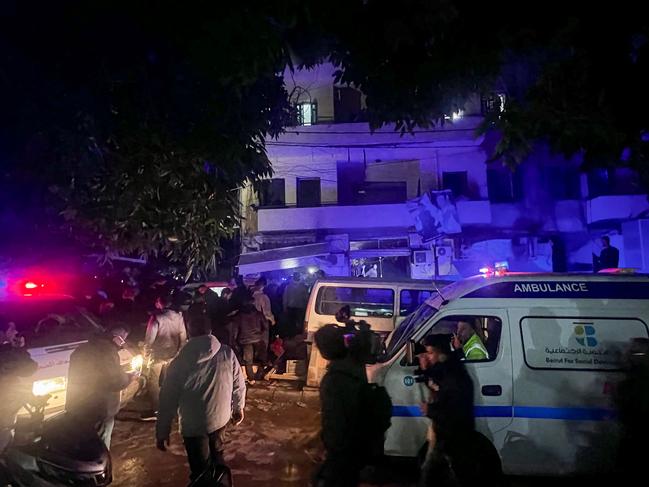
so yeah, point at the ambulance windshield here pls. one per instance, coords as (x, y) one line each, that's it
(406, 330)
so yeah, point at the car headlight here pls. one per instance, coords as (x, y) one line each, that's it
(49, 386)
(136, 363)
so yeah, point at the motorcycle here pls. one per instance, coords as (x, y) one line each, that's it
(53, 452)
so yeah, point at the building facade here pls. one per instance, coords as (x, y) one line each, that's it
(338, 198)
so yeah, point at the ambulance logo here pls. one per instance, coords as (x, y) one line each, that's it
(585, 335)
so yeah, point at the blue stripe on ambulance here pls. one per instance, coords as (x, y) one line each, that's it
(530, 412)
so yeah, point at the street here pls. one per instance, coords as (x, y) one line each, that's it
(278, 442)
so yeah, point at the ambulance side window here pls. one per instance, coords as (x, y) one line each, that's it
(479, 335)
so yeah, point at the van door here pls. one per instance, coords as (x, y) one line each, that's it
(492, 381)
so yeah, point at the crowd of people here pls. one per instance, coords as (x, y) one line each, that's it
(197, 347)
(193, 345)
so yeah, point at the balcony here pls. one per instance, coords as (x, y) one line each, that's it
(616, 207)
(359, 217)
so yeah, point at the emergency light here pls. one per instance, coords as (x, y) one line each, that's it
(498, 269)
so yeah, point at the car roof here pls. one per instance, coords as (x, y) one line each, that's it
(372, 281)
(609, 285)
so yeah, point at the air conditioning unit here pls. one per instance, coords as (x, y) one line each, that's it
(444, 251)
(422, 257)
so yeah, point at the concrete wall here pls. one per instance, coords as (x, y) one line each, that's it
(315, 151)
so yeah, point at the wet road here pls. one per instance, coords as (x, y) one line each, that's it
(277, 440)
(277, 445)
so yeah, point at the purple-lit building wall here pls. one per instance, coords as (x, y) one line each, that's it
(338, 182)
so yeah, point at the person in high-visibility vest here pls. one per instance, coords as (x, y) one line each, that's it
(468, 340)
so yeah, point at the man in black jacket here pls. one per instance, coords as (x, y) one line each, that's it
(95, 379)
(15, 390)
(457, 454)
(340, 398)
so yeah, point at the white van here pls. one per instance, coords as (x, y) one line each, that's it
(53, 326)
(544, 395)
(381, 303)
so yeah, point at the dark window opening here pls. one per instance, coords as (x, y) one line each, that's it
(272, 192)
(376, 193)
(457, 182)
(562, 182)
(504, 186)
(611, 182)
(308, 192)
(347, 105)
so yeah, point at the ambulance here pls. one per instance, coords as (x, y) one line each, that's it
(544, 391)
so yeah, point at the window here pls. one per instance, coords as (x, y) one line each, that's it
(308, 192)
(307, 113)
(609, 182)
(347, 105)
(376, 193)
(492, 103)
(457, 182)
(562, 182)
(379, 243)
(272, 192)
(578, 343)
(411, 299)
(406, 329)
(479, 334)
(350, 176)
(363, 302)
(504, 185)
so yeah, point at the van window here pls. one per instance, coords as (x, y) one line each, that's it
(363, 302)
(411, 299)
(479, 335)
(578, 343)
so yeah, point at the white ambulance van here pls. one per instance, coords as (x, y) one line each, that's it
(381, 303)
(545, 394)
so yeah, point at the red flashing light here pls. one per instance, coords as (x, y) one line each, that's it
(30, 285)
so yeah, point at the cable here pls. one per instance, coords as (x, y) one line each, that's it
(386, 145)
(369, 132)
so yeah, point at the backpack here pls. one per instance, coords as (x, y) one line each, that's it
(376, 407)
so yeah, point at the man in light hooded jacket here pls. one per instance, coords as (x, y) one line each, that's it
(205, 385)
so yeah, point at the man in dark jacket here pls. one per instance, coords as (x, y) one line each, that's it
(95, 379)
(294, 301)
(609, 257)
(340, 398)
(457, 453)
(250, 333)
(15, 390)
(240, 295)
